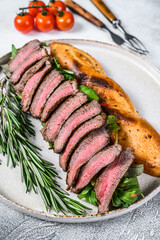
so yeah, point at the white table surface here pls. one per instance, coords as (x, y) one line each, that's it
(139, 17)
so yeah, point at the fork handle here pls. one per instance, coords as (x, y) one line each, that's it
(84, 13)
(105, 10)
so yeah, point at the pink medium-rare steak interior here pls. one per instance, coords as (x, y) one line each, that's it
(24, 52)
(66, 89)
(78, 117)
(53, 125)
(88, 147)
(32, 85)
(95, 164)
(85, 128)
(26, 64)
(109, 179)
(44, 91)
(19, 87)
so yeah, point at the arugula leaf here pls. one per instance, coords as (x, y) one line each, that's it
(14, 51)
(113, 126)
(89, 194)
(135, 170)
(126, 193)
(92, 94)
(44, 44)
(68, 75)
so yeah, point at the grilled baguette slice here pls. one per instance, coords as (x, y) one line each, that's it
(135, 131)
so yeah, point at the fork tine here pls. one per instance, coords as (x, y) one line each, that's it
(141, 44)
(138, 45)
(128, 45)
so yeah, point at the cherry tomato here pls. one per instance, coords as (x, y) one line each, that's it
(45, 21)
(24, 22)
(35, 11)
(65, 20)
(56, 6)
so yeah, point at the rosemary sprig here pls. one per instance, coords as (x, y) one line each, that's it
(36, 173)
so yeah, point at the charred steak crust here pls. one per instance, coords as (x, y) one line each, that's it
(95, 164)
(19, 87)
(88, 147)
(24, 52)
(109, 179)
(65, 90)
(78, 117)
(26, 64)
(44, 91)
(32, 85)
(57, 119)
(90, 125)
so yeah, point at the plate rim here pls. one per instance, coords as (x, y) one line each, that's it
(92, 217)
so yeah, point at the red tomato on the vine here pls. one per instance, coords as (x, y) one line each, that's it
(65, 20)
(45, 21)
(24, 22)
(35, 11)
(55, 6)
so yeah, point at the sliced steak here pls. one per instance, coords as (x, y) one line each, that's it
(78, 117)
(26, 64)
(19, 87)
(95, 164)
(88, 147)
(33, 84)
(53, 125)
(63, 91)
(23, 53)
(83, 130)
(109, 179)
(44, 91)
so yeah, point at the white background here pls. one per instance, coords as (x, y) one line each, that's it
(140, 18)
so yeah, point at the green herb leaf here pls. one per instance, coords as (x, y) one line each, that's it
(126, 193)
(68, 75)
(14, 51)
(92, 94)
(135, 170)
(113, 126)
(89, 194)
(44, 44)
(43, 123)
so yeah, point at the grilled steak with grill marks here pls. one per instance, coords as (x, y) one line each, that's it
(63, 91)
(32, 85)
(23, 53)
(109, 179)
(83, 130)
(19, 87)
(95, 164)
(88, 147)
(53, 125)
(81, 115)
(44, 91)
(26, 64)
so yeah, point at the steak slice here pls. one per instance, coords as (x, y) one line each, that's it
(63, 91)
(32, 85)
(95, 164)
(88, 147)
(83, 130)
(24, 52)
(27, 63)
(53, 125)
(19, 87)
(44, 91)
(81, 115)
(109, 179)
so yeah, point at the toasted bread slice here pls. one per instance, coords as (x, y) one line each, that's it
(135, 131)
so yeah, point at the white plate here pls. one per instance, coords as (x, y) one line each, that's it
(142, 83)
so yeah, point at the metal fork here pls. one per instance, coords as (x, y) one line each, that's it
(91, 18)
(134, 42)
